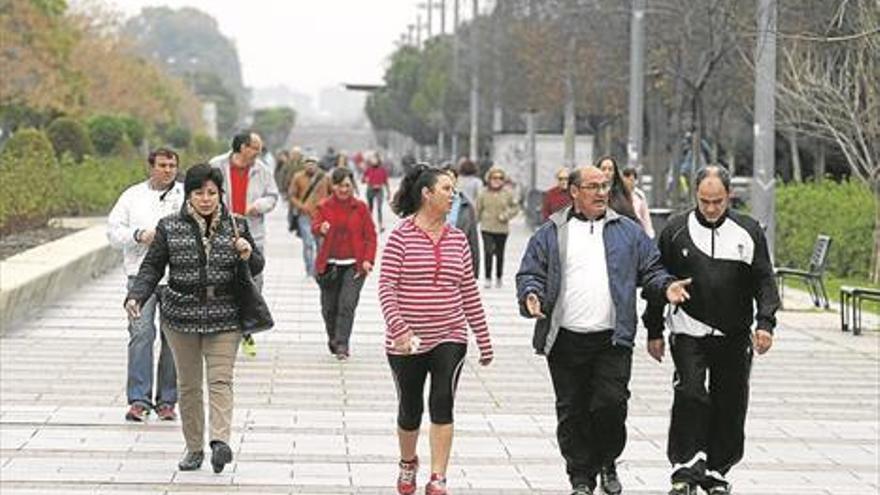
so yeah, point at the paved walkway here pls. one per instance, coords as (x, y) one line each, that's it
(305, 423)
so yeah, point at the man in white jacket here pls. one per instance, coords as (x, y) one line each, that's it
(251, 191)
(132, 227)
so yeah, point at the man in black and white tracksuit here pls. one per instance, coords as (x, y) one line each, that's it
(725, 254)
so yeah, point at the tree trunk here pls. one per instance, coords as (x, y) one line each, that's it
(819, 171)
(658, 135)
(797, 174)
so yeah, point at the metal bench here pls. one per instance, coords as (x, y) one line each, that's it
(851, 299)
(813, 276)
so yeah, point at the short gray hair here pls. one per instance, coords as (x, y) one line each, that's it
(713, 171)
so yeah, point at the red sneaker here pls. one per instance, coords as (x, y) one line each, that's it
(166, 412)
(437, 485)
(406, 480)
(137, 413)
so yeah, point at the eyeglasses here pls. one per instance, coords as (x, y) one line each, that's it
(496, 177)
(596, 187)
(562, 177)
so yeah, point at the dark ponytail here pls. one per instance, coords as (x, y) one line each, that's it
(408, 198)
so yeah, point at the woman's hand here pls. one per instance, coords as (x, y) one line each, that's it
(324, 228)
(368, 267)
(133, 309)
(486, 359)
(404, 343)
(244, 248)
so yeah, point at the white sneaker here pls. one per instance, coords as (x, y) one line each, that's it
(499, 283)
(488, 283)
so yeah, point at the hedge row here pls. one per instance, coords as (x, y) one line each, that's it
(844, 211)
(35, 184)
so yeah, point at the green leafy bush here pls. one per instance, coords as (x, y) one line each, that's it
(107, 133)
(204, 147)
(93, 187)
(178, 137)
(134, 129)
(844, 211)
(29, 179)
(70, 136)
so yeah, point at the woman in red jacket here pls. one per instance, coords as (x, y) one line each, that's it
(346, 256)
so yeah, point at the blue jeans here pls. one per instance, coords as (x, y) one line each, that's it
(304, 223)
(141, 335)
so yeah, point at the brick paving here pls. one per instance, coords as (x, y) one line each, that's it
(307, 424)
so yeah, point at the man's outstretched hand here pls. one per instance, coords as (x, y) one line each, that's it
(677, 292)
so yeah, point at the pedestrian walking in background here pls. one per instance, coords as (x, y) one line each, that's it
(376, 179)
(578, 277)
(619, 199)
(639, 199)
(463, 215)
(726, 255)
(429, 298)
(294, 164)
(468, 181)
(345, 259)
(131, 227)
(557, 197)
(496, 206)
(200, 313)
(306, 191)
(251, 193)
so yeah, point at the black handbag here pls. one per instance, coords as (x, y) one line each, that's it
(253, 312)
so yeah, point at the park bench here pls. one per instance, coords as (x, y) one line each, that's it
(813, 276)
(851, 299)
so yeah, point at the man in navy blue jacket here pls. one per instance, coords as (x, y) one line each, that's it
(578, 277)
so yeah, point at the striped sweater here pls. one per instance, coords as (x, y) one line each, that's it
(430, 289)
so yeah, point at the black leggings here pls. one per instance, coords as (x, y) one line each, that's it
(493, 245)
(444, 362)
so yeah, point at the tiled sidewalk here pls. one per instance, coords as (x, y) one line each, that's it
(305, 423)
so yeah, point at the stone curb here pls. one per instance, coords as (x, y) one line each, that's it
(39, 275)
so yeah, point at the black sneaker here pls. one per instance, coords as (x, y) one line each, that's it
(608, 480)
(191, 461)
(683, 488)
(582, 490)
(221, 455)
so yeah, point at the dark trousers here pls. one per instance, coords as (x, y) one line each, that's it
(590, 377)
(339, 299)
(706, 433)
(493, 248)
(375, 196)
(444, 363)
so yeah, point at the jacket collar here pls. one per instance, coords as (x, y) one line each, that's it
(709, 225)
(561, 217)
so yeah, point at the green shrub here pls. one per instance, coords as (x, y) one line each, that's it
(134, 129)
(107, 132)
(204, 147)
(29, 179)
(178, 137)
(844, 211)
(93, 187)
(70, 136)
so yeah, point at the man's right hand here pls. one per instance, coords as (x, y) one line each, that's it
(133, 309)
(146, 236)
(533, 305)
(656, 348)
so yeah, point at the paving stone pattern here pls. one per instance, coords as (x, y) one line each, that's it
(307, 424)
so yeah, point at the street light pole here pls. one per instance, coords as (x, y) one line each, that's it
(636, 86)
(475, 83)
(763, 179)
(455, 11)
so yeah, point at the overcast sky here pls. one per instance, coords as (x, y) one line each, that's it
(304, 44)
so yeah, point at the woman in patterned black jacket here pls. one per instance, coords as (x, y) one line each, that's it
(199, 312)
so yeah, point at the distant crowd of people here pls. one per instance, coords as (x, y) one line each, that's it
(194, 256)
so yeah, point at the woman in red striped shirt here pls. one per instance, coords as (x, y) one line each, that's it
(429, 297)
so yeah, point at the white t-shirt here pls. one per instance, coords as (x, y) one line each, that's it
(586, 301)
